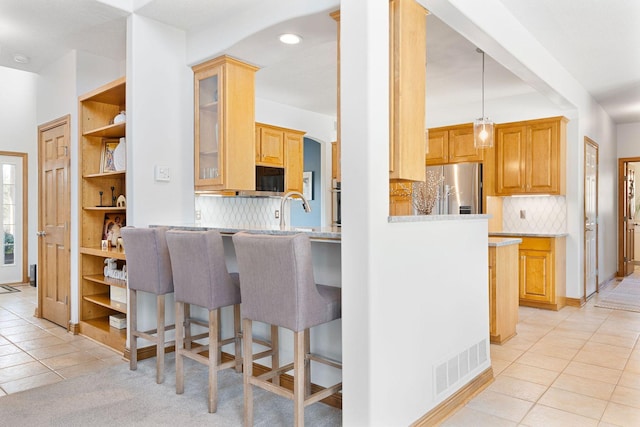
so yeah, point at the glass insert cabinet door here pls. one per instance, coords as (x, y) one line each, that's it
(208, 160)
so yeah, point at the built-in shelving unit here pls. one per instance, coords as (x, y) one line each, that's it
(97, 110)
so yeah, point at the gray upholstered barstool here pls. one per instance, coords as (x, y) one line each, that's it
(278, 288)
(201, 278)
(148, 270)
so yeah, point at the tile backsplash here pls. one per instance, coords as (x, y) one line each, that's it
(542, 214)
(238, 211)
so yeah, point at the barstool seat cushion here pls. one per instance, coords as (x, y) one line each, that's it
(278, 286)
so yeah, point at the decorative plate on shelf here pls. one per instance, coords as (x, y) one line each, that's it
(120, 156)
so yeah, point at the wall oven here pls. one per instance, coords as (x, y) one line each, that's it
(336, 218)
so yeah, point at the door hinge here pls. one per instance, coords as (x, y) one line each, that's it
(66, 300)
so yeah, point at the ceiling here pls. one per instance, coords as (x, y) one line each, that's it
(594, 40)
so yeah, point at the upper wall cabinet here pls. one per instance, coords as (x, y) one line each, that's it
(224, 125)
(269, 146)
(294, 160)
(530, 157)
(281, 147)
(452, 144)
(408, 57)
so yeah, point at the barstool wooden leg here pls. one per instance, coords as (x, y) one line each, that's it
(307, 363)
(160, 340)
(275, 357)
(247, 364)
(180, 309)
(299, 378)
(237, 335)
(187, 328)
(133, 330)
(214, 351)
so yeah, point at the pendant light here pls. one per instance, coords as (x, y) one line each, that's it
(482, 127)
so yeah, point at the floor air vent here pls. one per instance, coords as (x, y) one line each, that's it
(458, 368)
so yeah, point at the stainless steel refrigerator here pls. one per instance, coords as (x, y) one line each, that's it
(459, 190)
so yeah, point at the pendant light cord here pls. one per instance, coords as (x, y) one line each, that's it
(482, 85)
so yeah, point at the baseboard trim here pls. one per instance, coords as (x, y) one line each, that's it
(286, 380)
(576, 302)
(544, 305)
(457, 400)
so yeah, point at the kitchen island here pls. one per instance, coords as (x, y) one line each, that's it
(326, 339)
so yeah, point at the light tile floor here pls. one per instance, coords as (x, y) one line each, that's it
(573, 367)
(36, 352)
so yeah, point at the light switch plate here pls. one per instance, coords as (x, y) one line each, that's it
(162, 173)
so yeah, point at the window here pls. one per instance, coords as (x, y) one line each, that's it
(8, 212)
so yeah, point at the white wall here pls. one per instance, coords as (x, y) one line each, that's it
(159, 124)
(628, 140)
(401, 282)
(19, 133)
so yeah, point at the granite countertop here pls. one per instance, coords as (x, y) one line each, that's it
(331, 234)
(503, 241)
(425, 218)
(525, 234)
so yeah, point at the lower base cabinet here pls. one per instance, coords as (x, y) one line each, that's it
(543, 272)
(503, 292)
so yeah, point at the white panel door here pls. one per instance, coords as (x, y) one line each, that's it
(591, 218)
(11, 215)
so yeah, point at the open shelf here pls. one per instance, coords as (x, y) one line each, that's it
(99, 278)
(97, 110)
(100, 330)
(109, 131)
(104, 208)
(104, 301)
(109, 253)
(117, 174)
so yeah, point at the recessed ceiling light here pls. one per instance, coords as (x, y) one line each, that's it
(290, 38)
(21, 59)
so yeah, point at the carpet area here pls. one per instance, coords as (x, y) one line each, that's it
(625, 296)
(6, 289)
(118, 396)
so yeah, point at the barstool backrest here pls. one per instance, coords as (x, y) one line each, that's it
(200, 272)
(148, 263)
(276, 281)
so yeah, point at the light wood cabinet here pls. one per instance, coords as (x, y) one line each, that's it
(294, 160)
(503, 292)
(543, 272)
(270, 146)
(530, 157)
(97, 110)
(452, 144)
(400, 196)
(281, 147)
(408, 51)
(224, 125)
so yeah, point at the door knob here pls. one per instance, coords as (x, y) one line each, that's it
(41, 233)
